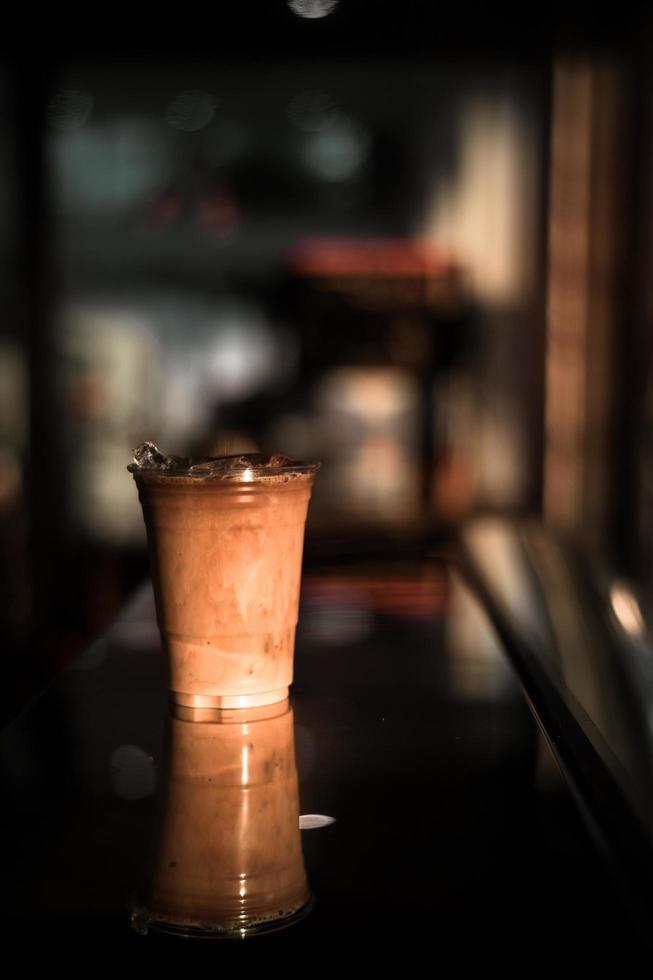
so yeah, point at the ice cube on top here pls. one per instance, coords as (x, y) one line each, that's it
(149, 457)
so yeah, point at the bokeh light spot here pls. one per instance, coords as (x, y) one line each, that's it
(70, 108)
(190, 110)
(132, 772)
(312, 9)
(339, 153)
(626, 609)
(312, 111)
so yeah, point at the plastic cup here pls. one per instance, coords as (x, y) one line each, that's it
(225, 556)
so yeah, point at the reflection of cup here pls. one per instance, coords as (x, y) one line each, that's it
(229, 859)
(226, 564)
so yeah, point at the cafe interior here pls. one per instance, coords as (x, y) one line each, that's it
(413, 244)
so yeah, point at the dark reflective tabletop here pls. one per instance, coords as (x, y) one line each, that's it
(582, 643)
(451, 832)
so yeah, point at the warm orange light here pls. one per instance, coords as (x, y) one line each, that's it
(626, 609)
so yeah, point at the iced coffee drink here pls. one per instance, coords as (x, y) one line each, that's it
(228, 858)
(225, 537)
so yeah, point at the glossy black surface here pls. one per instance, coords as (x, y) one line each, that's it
(580, 641)
(454, 835)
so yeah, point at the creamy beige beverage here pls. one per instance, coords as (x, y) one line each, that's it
(225, 537)
(229, 860)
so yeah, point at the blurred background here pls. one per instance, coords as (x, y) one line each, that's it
(408, 241)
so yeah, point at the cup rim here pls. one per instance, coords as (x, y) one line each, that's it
(257, 473)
